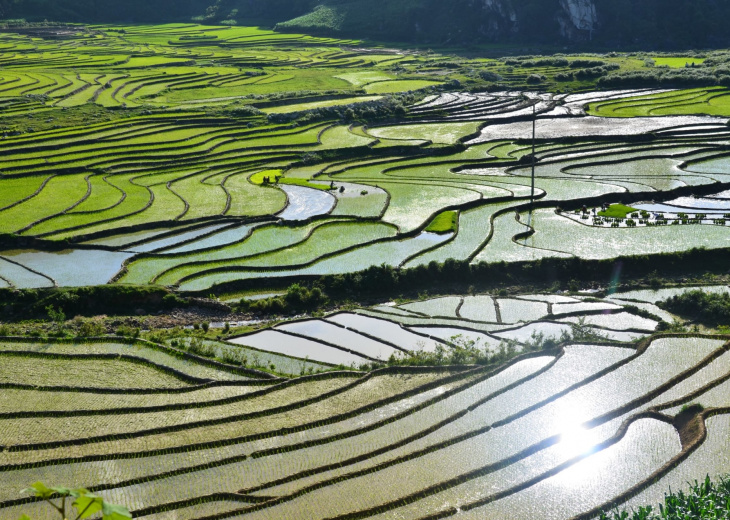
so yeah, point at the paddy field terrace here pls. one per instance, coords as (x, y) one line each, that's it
(185, 161)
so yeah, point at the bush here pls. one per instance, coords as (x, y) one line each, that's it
(596, 72)
(89, 301)
(461, 351)
(578, 64)
(389, 107)
(56, 316)
(684, 77)
(547, 62)
(128, 332)
(711, 309)
(89, 328)
(488, 75)
(311, 158)
(244, 111)
(297, 298)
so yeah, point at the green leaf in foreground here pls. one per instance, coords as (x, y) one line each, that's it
(88, 504)
(85, 503)
(113, 512)
(40, 490)
(703, 501)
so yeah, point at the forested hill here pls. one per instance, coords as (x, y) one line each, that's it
(608, 23)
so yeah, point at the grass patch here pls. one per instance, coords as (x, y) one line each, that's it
(258, 179)
(677, 63)
(617, 211)
(446, 222)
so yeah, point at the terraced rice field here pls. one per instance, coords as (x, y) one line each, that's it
(385, 331)
(557, 433)
(202, 158)
(181, 158)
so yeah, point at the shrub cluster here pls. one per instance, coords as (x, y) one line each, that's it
(464, 351)
(298, 298)
(243, 111)
(596, 72)
(701, 76)
(89, 301)
(578, 64)
(387, 108)
(488, 75)
(460, 352)
(587, 73)
(545, 62)
(711, 309)
(378, 281)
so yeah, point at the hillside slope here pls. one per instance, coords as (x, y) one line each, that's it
(606, 23)
(663, 23)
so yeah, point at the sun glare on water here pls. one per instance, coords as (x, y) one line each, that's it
(576, 440)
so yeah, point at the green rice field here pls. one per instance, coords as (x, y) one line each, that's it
(195, 157)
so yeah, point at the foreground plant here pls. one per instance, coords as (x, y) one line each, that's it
(704, 501)
(85, 503)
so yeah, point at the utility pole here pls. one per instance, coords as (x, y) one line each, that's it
(534, 124)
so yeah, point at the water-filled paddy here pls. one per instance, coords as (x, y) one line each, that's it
(648, 445)
(479, 308)
(384, 330)
(618, 321)
(590, 126)
(305, 203)
(22, 278)
(474, 321)
(438, 307)
(73, 268)
(273, 341)
(339, 336)
(534, 411)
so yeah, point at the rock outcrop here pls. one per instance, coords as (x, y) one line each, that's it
(578, 19)
(500, 19)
